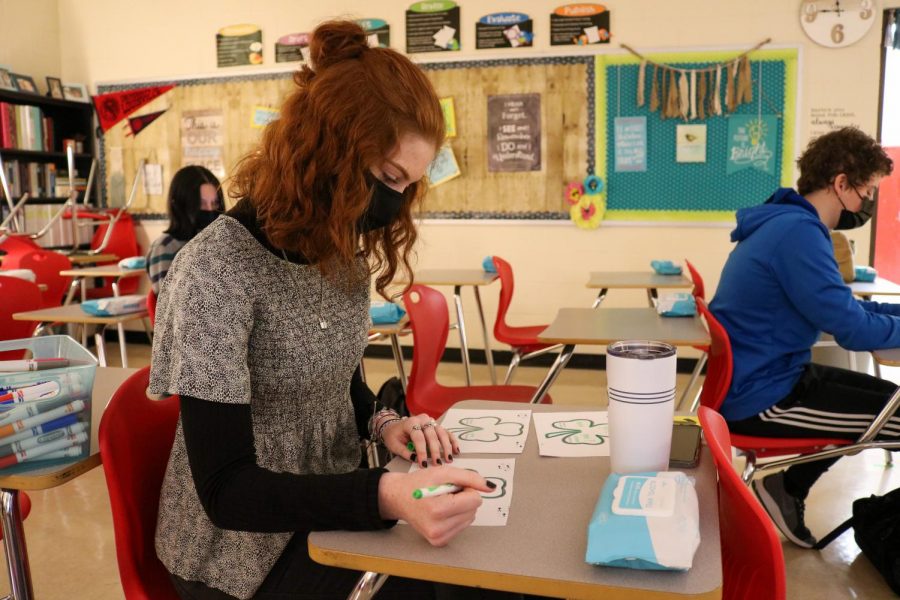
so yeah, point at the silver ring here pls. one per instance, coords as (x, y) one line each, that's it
(433, 423)
(418, 427)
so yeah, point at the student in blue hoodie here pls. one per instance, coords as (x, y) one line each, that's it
(780, 288)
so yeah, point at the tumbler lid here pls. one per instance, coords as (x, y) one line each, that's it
(640, 349)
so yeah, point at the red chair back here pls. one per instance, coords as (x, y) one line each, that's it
(151, 306)
(14, 245)
(123, 243)
(46, 265)
(752, 559)
(507, 285)
(136, 436)
(699, 291)
(17, 295)
(720, 367)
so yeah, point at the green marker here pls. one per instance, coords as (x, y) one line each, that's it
(436, 490)
(410, 446)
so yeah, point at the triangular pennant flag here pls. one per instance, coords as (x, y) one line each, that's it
(137, 124)
(115, 106)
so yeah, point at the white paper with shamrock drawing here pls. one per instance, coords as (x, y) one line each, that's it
(488, 431)
(572, 433)
(494, 509)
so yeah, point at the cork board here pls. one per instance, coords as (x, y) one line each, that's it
(566, 89)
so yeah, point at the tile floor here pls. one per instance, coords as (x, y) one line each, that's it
(72, 550)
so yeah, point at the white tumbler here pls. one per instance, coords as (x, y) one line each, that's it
(641, 388)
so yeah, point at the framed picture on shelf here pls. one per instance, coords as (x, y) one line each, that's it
(24, 83)
(55, 88)
(76, 91)
(6, 82)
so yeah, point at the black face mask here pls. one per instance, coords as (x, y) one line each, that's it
(852, 220)
(204, 218)
(383, 207)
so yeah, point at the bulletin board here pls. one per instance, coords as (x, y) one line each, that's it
(671, 191)
(565, 84)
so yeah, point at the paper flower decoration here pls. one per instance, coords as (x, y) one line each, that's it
(593, 185)
(574, 192)
(589, 211)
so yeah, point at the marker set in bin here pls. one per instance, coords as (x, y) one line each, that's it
(45, 403)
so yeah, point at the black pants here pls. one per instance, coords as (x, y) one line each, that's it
(296, 576)
(827, 402)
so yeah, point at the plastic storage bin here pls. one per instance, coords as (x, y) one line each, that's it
(45, 416)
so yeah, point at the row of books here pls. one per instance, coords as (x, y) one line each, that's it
(25, 127)
(40, 180)
(60, 234)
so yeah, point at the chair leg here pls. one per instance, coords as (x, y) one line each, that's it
(513, 364)
(749, 468)
(367, 586)
(888, 458)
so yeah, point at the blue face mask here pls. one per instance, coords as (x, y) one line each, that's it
(384, 206)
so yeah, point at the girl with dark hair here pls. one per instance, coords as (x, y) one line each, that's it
(195, 200)
(261, 327)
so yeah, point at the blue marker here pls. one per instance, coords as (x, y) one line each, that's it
(39, 429)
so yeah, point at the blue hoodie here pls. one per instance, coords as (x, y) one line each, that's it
(779, 290)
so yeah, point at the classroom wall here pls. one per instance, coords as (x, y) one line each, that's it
(29, 39)
(113, 41)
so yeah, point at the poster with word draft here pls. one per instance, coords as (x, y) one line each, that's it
(293, 47)
(514, 132)
(572, 433)
(494, 509)
(432, 26)
(488, 431)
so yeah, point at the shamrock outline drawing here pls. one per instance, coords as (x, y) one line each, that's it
(497, 492)
(578, 432)
(491, 431)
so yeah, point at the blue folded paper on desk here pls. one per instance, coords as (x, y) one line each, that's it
(385, 312)
(134, 262)
(677, 304)
(488, 264)
(665, 267)
(865, 274)
(645, 521)
(120, 305)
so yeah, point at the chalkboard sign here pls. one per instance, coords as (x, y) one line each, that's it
(514, 132)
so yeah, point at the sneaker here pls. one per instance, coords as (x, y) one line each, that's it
(785, 510)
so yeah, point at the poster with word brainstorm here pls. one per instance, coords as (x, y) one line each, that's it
(488, 431)
(494, 510)
(572, 433)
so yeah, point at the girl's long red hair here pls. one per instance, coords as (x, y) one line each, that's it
(307, 179)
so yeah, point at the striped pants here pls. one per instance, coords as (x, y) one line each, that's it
(826, 402)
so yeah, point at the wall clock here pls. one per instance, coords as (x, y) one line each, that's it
(837, 23)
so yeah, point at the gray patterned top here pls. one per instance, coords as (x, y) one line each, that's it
(236, 324)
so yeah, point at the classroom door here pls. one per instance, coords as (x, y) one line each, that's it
(887, 225)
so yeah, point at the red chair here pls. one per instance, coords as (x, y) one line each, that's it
(136, 436)
(46, 265)
(122, 242)
(428, 317)
(151, 306)
(17, 295)
(698, 292)
(522, 339)
(752, 558)
(715, 388)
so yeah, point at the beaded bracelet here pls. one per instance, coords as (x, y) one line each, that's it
(383, 425)
(373, 422)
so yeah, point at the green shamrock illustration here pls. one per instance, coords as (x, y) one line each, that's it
(497, 492)
(486, 429)
(580, 431)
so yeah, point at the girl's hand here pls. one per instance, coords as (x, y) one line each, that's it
(438, 519)
(418, 438)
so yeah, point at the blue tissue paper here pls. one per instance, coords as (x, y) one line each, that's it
(385, 312)
(864, 274)
(665, 267)
(119, 305)
(134, 262)
(488, 264)
(678, 304)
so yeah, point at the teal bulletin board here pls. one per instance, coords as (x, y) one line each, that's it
(671, 191)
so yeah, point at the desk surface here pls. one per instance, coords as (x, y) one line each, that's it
(105, 384)
(636, 280)
(105, 271)
(889, 358)
(90, 259)
(541, 549)
(391, 328)
(600, 326)
(72, 313)
(454, 277)
(879, 287)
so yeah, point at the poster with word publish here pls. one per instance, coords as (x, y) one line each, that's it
(579, 25)
(488, 431)
(202, 140)
(292, 47)
(494, 509)
(514, 132)
(751, 143)
(631, 144)
(504, 30)
(572, 433)
(378, 32)
(239, 45)
(432, 26)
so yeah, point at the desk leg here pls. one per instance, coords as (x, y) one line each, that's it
(558, 365)
(367, 586)
(487, 340)
(76, 284)
(101, 346)
(652, 297)
(398, 359)
(121, 329)
(14, 544)
(463, 343)
(83, 284)
(600, 297)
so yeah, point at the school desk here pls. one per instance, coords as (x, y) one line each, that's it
(459, 278)
(105, 384)
(879, 287)
(641, 280)
(574, 326)
(80, 277)
(73, 313)
(541, 548)
(90, 259)
(392, 331)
